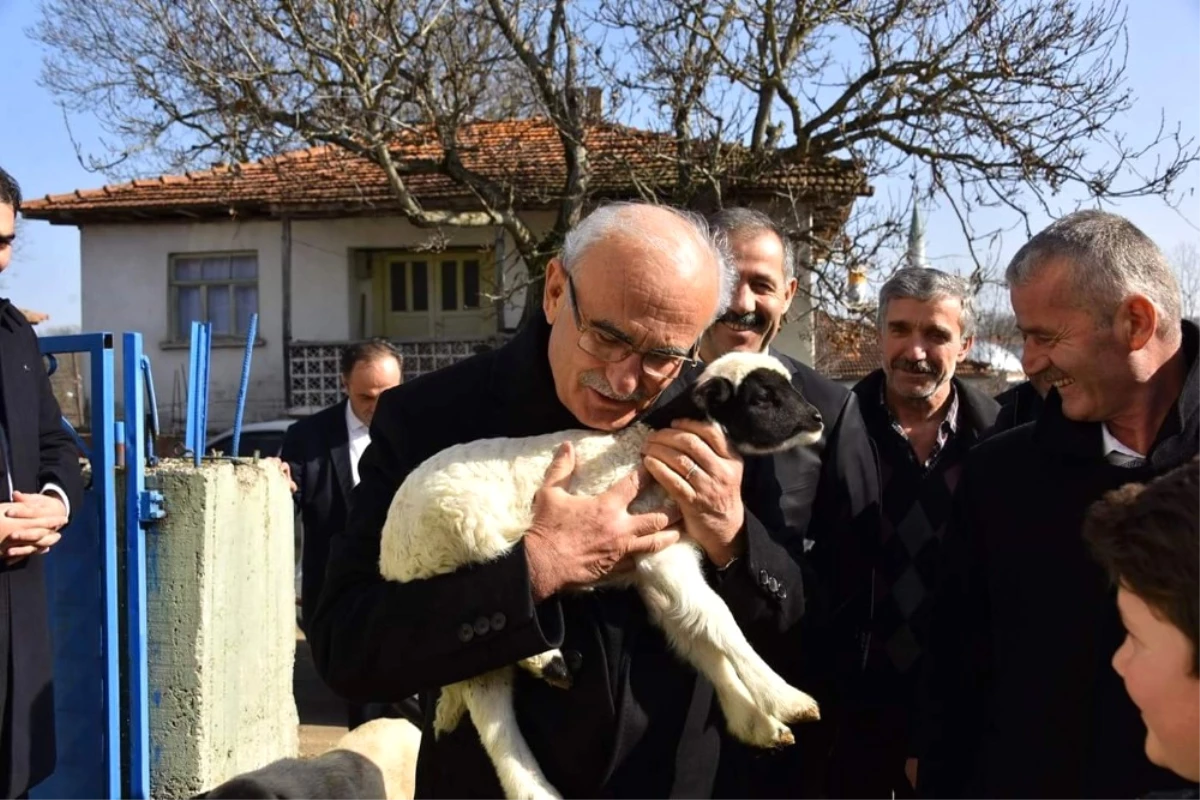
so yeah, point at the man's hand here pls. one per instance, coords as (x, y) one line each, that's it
(703, 474)
(575, 541)
(30, 525)
(286, 469)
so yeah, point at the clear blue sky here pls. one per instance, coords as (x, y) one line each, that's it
(1164, 73)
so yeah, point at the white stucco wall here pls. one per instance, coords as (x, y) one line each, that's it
(125, 287)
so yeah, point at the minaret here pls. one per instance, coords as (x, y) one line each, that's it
(916, 239)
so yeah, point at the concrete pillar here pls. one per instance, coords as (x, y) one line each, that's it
(221, 607)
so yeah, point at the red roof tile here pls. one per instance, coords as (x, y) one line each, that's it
(525, 157)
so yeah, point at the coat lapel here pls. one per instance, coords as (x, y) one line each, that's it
(339, 447)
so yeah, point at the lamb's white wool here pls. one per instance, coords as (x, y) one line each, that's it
(392, 745)
(736, 369)
(473, 502)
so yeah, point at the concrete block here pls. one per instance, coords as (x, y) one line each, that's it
(221, 606)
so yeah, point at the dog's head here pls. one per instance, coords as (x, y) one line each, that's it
(751, 396)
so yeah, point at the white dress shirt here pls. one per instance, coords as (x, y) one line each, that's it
(1114, 445)
(360, 437)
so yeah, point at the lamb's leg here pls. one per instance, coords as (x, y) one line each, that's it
(489, 698)
(701, 614)
(550, 666)
(746, 721)
(450, 709)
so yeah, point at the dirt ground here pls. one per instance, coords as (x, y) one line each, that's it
(322, 714)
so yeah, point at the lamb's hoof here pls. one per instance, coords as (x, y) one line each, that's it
(806, 710)
(556, 674)
(763, 731)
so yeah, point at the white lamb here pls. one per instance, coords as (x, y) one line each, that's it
(473, 502)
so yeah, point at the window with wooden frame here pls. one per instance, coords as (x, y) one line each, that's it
(221, 288)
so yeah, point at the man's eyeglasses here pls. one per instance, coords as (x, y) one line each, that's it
(611, 347)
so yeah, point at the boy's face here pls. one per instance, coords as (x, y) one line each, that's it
(1156, 661)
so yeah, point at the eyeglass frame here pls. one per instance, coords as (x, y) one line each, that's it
(584, 327)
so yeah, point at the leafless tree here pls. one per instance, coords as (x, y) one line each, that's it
(1186, 260)
(983, 103)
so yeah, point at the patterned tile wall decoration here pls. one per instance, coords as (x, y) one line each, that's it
(316, 367)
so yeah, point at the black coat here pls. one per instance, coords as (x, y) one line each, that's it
(40, 452)
(1018, 405)
(1023, 698)
(637, 722)
(317, 449)
(827, 496)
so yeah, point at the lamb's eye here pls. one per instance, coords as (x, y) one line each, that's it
(762, 397)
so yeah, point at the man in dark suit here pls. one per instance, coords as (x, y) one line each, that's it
(322, 454)
(617, 327)
(825, 495)
(1023, 699)
(40, 482)
(923, 421)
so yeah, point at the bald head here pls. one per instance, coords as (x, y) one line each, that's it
(679, 242)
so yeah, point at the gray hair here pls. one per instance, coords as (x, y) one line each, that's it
(736, 222)
(927, 283)
(622, 218)
(1109, 259)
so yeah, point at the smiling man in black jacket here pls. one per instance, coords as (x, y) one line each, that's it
(1023, 701)
(824, 496)
(624, 306)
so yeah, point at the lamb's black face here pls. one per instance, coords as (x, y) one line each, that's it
(764, 414)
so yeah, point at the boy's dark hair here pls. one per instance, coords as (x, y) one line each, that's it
(1147, 537)
(10, 191)
(368, 350)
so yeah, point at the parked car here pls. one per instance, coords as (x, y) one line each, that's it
(264, 438)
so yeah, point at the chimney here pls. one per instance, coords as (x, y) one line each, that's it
(593, 109)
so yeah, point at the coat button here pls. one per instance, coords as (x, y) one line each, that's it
(773, 585)
(465, 632)
(499, 621)
(574, 660)
(763, 577)
(482, 626)
(782, 593)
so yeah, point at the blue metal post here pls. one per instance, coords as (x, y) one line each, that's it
(202, 394)
(136, 668)
(82, 581)
(197, 412)
(193, 405)
(241, 398)
(104, 479)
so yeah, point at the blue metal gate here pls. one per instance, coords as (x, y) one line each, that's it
(99, 653)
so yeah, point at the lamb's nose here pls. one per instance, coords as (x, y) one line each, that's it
(817, 417)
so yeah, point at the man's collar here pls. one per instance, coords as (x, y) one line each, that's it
(353, 423)
(951, 418)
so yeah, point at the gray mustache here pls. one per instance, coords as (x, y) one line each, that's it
(595, 381)
(920, 367)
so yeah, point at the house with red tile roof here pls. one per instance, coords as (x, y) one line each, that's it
(314, 242)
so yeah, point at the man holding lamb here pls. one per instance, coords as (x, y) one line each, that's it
(625, 306)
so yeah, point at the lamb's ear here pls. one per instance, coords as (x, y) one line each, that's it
(712, 395)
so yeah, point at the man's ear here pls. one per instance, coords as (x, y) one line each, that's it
(712, 394)
(554, 295)
(966, 348)
(1137, 321)
(789, 294)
